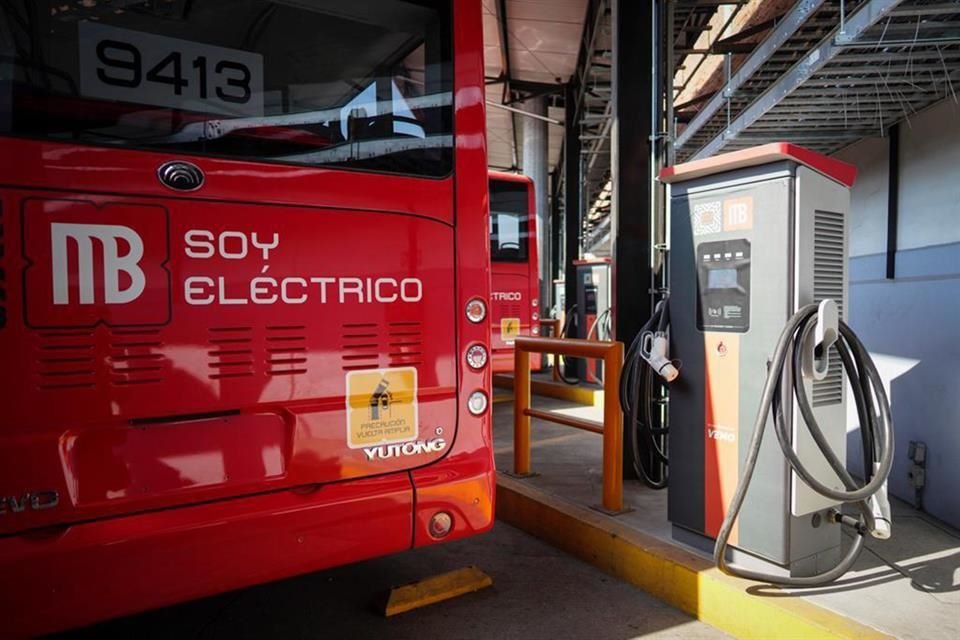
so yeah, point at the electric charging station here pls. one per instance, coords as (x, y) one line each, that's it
(593, 310)
(559, 297)
(755, 237)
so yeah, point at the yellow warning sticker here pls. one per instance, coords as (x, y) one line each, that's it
(381, 406)
(509, 329)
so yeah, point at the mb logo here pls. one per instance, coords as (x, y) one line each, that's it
(116, 267)
(88, 264)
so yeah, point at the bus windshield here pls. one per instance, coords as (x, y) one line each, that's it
(364, 85)
(509, 230)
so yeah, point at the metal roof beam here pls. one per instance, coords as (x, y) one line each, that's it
(507, 79)
(796, 17)
(864, 81)
(819, 135)
(915, 55)
(869, 13)
(806, 105)
(597, 11)
(704, 5)
(926, 42)
(943, 8)
(690, 45)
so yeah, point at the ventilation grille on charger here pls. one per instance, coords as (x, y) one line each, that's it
(828, 278)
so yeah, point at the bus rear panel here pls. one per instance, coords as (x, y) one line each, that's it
(235, 268)
(515, 281)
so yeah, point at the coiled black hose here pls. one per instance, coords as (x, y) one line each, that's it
(563, 332)
(648, 443)
(876, 423)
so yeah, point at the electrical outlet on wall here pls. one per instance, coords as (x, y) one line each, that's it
(918, 472)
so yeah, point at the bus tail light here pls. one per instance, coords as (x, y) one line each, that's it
(477, 356)
(477, 403)
(441, 524)
(476, 310)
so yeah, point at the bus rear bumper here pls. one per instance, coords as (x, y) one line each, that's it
(72, 576)
(67, 577)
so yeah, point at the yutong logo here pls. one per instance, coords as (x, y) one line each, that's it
(385, 451)
(33, 501)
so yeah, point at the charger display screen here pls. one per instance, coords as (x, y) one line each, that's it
(723, 285)
(722, 279)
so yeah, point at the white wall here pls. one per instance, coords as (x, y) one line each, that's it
(930, 178)
(912, 323)
(868, 220)
(929, 183)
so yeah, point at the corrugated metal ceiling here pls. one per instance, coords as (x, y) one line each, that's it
(543, 42)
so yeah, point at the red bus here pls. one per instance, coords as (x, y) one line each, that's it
(243, 295)
(514, 275)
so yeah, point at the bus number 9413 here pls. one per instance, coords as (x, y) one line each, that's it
(123, 67)
(146, 68)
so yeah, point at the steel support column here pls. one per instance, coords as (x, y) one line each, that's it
(535, 167)
(555, 266)
(893, 201)
(633, 102)
(572, 182)
(573, 217)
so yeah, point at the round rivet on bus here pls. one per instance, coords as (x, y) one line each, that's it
(477, 403)
(535, 330)
(477, 356)
(535, 316)
(441, 524)
(476, 310)
(535, 302)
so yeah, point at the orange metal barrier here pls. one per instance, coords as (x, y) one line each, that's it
(554, 325)
(612, 427)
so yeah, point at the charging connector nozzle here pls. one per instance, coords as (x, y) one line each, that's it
(656, 353)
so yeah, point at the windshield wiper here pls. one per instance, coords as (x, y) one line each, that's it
(366, 149)
(214, 129)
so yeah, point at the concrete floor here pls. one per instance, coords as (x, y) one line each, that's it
(538, 592)
(908, 586)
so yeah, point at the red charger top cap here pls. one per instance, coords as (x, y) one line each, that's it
(836, 170)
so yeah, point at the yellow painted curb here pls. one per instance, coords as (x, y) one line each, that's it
(436, 589)
(550, 389)
(669, 573)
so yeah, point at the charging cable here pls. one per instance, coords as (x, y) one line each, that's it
(876, 425)
(561, 368)
(646, 432)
